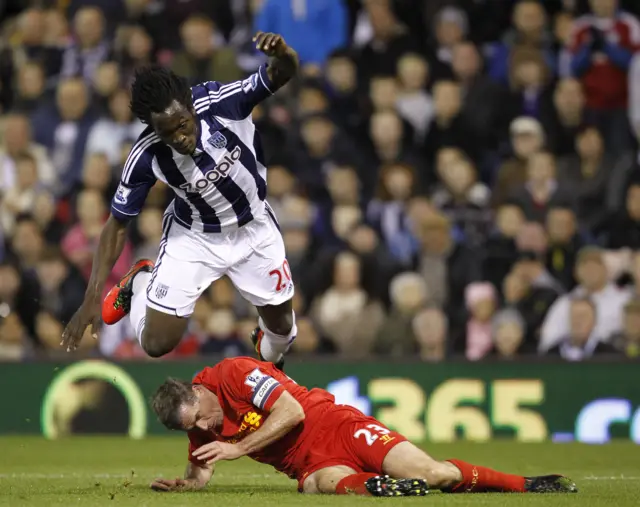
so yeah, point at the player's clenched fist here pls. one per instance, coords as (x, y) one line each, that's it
(218, 451)
(271, 44)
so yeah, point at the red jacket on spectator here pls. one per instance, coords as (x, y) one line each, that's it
(603, 67)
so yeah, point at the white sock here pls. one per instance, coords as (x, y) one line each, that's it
(274, 346)
(139, 303)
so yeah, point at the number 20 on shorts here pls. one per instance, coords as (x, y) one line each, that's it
(282, 276)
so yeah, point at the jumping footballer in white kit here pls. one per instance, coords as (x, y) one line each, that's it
(201, 142)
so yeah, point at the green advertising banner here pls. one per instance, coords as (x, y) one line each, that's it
(529, 402)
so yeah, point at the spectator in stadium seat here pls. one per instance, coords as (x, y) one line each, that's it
(602, 47)
(19, 300)
(90, 47)
(480, 302)
(383, 93)
(347, 106)
(201, 60)
(106, 81)
(33, 46)
(387, 212)
(414, 103)
(149, 226)
(44, 214)
(391, 39)
(21, 197)
(61, 286)
(56, 32)
(627, 342)
(448, 267)
(308, 341)
(634, 95)
(465, 201)
(312, 98)
(529, 77)
(48, 332)
(542, 189)
(564, 245)
(622, 229)
(409, 293)
(137, 51)
(315, 29)
(301, 257)
(30, 88)
(508, 328)
(529, 30)
(322, 146)
(64, 129)
(116, 127)
(448, 127)
(500, 248)
(378, 265)
(13, 339)
(527, 138)
(17, 139)
(593, 282)
(390, 145)
(531, 266)
(27, 242)
(588, 173)
(430, 327)
(480, 96)
(345, 313)
(582, 341)
(568, 116)
(450, 26)
(97, 175)
(280, 187)
(81, 240)
(222, 340)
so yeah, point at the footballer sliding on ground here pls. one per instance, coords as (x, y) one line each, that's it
(244, 407)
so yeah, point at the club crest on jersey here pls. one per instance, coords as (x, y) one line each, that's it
(217, 140)
(161, 291)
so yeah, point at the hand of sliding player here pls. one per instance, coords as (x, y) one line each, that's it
(218, 451)
(176, 484)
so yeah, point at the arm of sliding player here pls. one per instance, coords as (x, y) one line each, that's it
(195, 477)
(285, 414)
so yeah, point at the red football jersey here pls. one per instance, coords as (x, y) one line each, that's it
(247, 389)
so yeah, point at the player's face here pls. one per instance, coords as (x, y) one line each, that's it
(204, 414)
(177, 127)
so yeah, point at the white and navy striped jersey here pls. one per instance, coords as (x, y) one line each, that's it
(222, 185)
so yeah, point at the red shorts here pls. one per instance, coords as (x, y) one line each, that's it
(349, 438)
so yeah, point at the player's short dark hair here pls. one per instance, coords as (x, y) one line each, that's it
(154, 89)
(168, 399)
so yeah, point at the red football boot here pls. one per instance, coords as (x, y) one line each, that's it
(117, 304)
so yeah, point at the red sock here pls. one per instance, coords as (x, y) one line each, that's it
(477, 479)
(354, 484)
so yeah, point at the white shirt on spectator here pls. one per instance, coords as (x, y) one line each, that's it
(609, 304)
(107, 137)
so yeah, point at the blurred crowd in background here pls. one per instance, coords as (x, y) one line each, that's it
(453, 178)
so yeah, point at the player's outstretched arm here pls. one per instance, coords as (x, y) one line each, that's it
(285, 414)
(112, 241)
(195, 477)
(284, 62)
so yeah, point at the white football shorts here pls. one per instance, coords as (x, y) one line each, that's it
(253, 257)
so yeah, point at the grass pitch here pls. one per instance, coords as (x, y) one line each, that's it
(93, 471)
